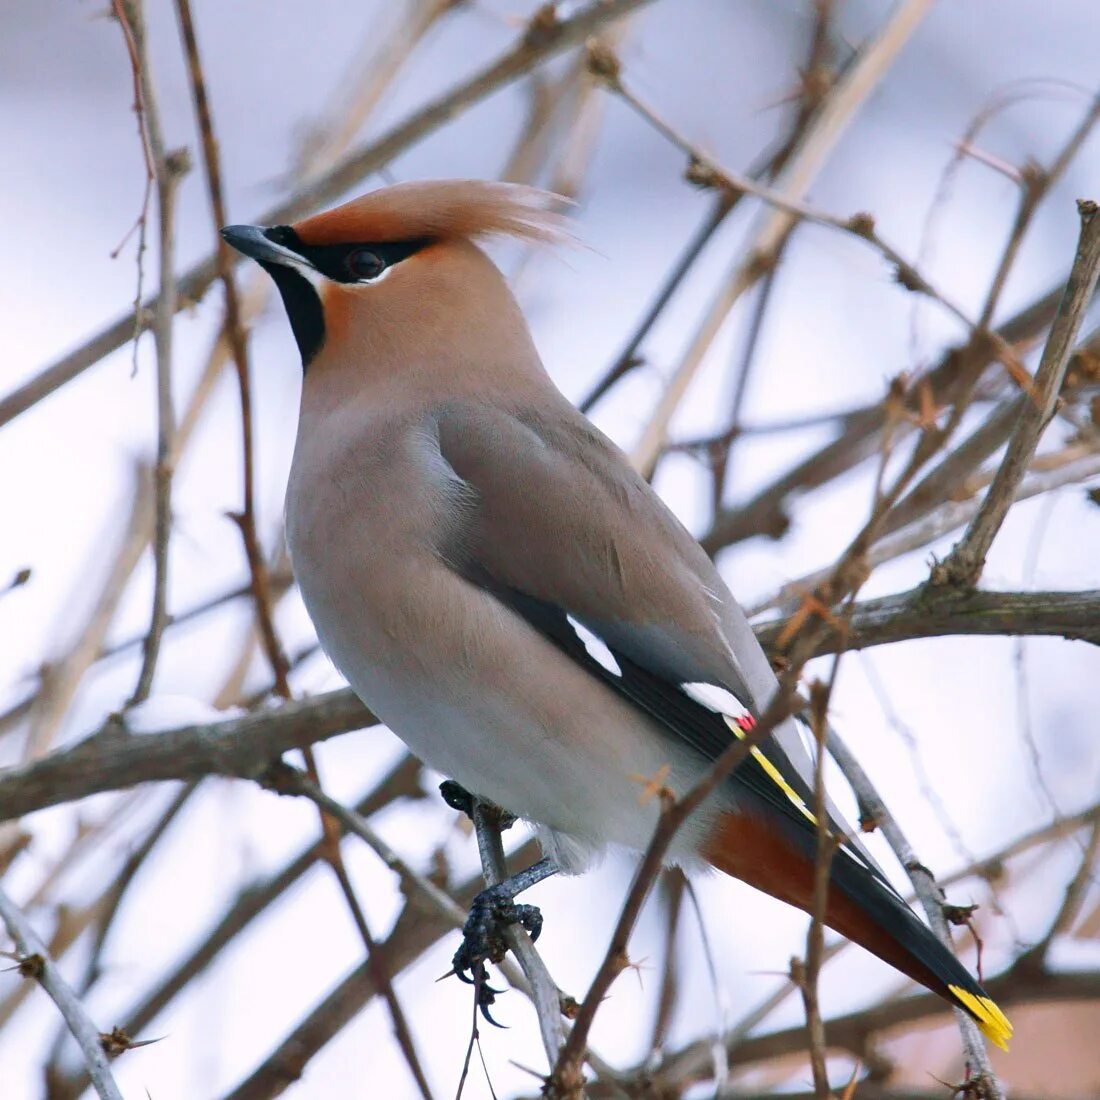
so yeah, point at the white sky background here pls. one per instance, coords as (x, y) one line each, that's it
(839, 328)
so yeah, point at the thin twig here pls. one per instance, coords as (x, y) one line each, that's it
(849, 92)
(963, 566)
(806, 976)
(167, 169)
(1071, 468)
(927, 890)
(238, 342)
(35, 962)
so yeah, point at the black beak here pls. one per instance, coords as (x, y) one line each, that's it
(252, 241)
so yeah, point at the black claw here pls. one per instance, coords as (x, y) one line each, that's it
(483, 940)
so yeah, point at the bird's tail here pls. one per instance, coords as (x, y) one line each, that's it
(861, 907)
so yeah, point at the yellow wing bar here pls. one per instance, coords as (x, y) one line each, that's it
(740, 727)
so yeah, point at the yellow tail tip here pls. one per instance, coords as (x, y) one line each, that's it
(993, 1023)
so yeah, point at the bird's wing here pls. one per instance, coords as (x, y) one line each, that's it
(561, 529)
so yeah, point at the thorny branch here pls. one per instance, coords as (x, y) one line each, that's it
(930, 895)
(33, 961)
(964, 564)
(238, 343)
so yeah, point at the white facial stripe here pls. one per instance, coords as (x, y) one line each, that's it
(596, 647)
(309, 273)
(378, 278)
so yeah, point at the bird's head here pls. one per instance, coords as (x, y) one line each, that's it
(396, 268)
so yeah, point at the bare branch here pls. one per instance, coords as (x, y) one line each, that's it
(167, 169)
(932, 613)
(849, 92)
(35, 962)
(113, 759)
(964, 564)
(928, 891)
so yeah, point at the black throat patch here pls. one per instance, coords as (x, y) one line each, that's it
(303, 308)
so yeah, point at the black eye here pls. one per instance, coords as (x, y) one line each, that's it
(362, 263)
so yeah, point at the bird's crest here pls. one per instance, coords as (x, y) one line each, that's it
(441, 209)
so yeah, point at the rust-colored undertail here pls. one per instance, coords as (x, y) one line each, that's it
(860, 908)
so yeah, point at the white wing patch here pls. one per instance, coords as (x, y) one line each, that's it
(715, 699)
(596, 647)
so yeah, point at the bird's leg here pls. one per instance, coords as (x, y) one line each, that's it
(495, 908)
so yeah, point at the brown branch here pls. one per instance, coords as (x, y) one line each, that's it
(929, 893)
(763, 514)
(963, 566)
(166, 169)
(933, 613)
(844, 99)
(238, 342)
(539, 43)
(34, 962)
(113, 759)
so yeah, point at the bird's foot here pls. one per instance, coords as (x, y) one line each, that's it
(492, 911)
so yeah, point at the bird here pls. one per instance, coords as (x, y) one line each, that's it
(503, 589)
